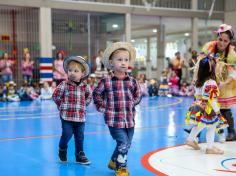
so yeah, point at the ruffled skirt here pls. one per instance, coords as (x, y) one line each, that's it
(196, 115)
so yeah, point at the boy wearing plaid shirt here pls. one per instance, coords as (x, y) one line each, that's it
(71, 97)
(116, 96)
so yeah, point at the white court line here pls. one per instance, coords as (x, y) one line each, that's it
(55, 114)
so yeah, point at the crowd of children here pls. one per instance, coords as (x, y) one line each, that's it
(26, 92)
(166, 86)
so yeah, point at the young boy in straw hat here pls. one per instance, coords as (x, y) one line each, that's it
(71, 97)
(116, 96)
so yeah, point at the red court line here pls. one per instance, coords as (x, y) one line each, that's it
(225, 171)
(146, 164)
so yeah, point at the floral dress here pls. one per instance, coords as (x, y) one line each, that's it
(204, 108)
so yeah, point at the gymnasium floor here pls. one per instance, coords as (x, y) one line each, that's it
(30, 131)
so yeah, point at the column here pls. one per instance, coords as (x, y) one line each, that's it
(160, 49)
(127, 24)
(194, 36)
(148, 60)
(45, 38)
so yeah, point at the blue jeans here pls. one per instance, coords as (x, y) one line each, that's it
(28, 79)
(68, 129)
(123, 138)
(6, 78)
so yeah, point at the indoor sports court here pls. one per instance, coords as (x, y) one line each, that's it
(30, 132)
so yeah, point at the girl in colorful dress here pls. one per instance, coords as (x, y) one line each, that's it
(164, 87)
(205, 111)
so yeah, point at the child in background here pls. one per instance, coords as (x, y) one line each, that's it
(92, 81)
(24, 92)
(164, 87)
(144, 87)
(46, 91)
(153, 88)
(184, 89)
(173, 82)
(11, 92)
(53, 86)
(71, 97)
(3, 92)
(205, 111)
(116, 96)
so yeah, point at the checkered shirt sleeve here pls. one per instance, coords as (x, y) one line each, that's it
(117, 99)
(71, 100)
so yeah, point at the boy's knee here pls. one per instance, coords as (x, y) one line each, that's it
(123, 148)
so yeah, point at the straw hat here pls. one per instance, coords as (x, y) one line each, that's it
(78, 59)
(12, 83)
(115, 46)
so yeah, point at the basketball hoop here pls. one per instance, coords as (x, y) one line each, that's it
(149, 3)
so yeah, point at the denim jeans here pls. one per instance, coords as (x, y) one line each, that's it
(6, 78)
(68, 129)
(28, 79)
(227, 113)
(123, 138)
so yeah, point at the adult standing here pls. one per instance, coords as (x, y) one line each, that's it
(192, 62)
(6, 68)
(225, 56)
(177, 64)
(27, 67)
(58, 72)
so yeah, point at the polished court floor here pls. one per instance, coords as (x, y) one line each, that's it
(30, 132)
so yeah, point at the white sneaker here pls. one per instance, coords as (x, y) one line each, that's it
(221, 138)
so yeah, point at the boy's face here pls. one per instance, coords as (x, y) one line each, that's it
(120, 61)
(74, 72)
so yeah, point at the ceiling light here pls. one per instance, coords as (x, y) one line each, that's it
(115, 26)
(186, 34)
(154, 30)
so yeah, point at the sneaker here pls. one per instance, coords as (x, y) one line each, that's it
(62, 155)
(193, 144)
(111, 165)
(214, 150)
(221, 137)
(231, 137)
(82, 159)
(122, 172)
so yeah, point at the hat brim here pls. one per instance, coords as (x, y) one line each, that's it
(223, 28)
(116, 46)
(80, 60)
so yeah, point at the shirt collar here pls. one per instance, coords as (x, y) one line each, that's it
(81, 83)
(116, 78)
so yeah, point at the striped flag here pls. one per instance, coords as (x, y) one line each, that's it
(46, 68)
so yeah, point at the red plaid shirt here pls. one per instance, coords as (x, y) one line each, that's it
(117, 99)
(71, 100)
